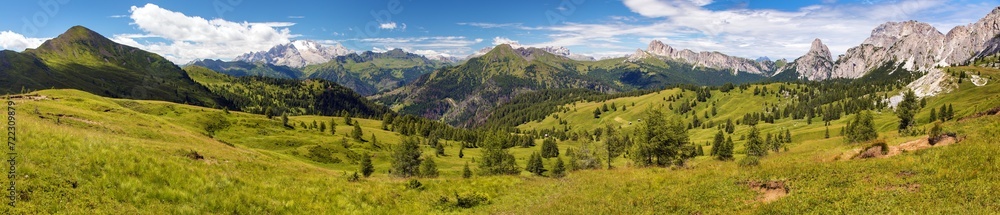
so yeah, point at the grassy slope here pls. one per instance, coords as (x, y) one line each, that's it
(129, 156)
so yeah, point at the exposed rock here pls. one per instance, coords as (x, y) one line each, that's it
(817, 64)
(712, 59)
(296, 54)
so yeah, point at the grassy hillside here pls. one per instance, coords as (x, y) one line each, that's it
(85, 60)
(80, 153)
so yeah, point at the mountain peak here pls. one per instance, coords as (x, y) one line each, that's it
(817, 44)
(888, 33)
(298, 53)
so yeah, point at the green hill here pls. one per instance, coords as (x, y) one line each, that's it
(465, 95)
(81, 153)
(85, 60)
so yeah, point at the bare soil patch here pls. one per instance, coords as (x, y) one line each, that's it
(914, 145)
(769, 191)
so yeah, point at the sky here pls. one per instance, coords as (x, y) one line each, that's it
(185, 30)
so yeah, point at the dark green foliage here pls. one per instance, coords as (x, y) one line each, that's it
(615, 144)
(660, 141)
(549, 148)
(365, 166)
(905, 110)
(213, 123)
(333, 127)
(356, 133)
(461, 153)
(322, 154)
(413, 184)
(597, 113)
(861, 128)
(85, 60)
(934, 134)
(428, 169)
(827, 134)
(559, 169)
(726, 150)
(496, 160)
(466, 172)
(284, 120)
(749, 161)
(354, 177)
(535, 164)
(755, 146)
(406, 158)
(718, 142)
(439, 150)
(933, 115)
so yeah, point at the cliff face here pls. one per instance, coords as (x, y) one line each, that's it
(711, 59)
(816, 64)
(917, 46)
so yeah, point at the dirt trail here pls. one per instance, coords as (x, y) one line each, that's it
(770, 191)
(914, 145)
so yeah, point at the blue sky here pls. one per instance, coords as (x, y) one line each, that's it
(223, 29)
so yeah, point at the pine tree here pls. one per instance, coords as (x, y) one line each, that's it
(951, 112)
(827, 135)
(906, 109)
(559, 170)
(717, 144)
(788, 136)
(322, 127)
(549, 148)
(284, 120)
(333, 126)
(597, 113)
(348, 120)
(535, 164)
(428, 169)
(356, 134)
(933, 115)
(366, 167)
(461, 154)
(406, 158)
(755, 146)
(439, 149)
(943, 113)
(861, 128)
(466, 172)
(726, 149)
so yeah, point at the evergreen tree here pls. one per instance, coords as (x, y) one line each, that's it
(726, 150)
(861, 128)
(406, 158)
(284, 120)
(461, 154)
(717, 144)
(333, 126)
(614, 144)
(549, 148)
(428, 169)
(348, 120)
(951, 112)
(730, 128)
(755, 146)
(535, 164)
(356, 134)
(943, 113)
(906, 109)
(496, 160)
(366, 167)
(660, 141)
(439, 149)
(788, 136)
(827, 135)
(466, 172)
(933, 115)
(604, 108)
(322, 127)
(559, 170)
(597, 113)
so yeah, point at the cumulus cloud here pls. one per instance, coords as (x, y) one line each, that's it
(17, 42)
(193, 37)
(392, 26)
(504, 40)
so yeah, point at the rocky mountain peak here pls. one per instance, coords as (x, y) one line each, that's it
(888, 33)
(299, 53)
(709, 59)
(817, 64)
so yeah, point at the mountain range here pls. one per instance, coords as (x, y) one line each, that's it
(296, 54)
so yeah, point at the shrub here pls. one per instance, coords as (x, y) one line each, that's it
(413, 184)
(934, 134)
(749, 161)
(468, 200)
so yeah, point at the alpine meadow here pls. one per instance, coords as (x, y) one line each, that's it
(405, 107)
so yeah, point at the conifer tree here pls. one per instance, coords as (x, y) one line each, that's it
(406, 158)
(466, 172)
(356, 133)
(535, 164)
(428, 169)
(559, 170)
(366, 167)
(549, 148)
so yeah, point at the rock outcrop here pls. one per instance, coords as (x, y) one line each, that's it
(815, 64)
(709, 59)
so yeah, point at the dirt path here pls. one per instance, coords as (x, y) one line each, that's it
(914, 145)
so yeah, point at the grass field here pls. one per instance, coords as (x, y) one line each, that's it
(84, 154)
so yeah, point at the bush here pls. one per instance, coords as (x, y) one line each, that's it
(413, 184)
(934, 134)
(875, 149)
(468, 200)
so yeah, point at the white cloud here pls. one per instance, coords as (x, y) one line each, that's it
(504, 40)
(392, 26)
(754, 32)
(17, 42)
(193, 37)
(490, 25)
(118, 16)
(296, 17)
(438, 45)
